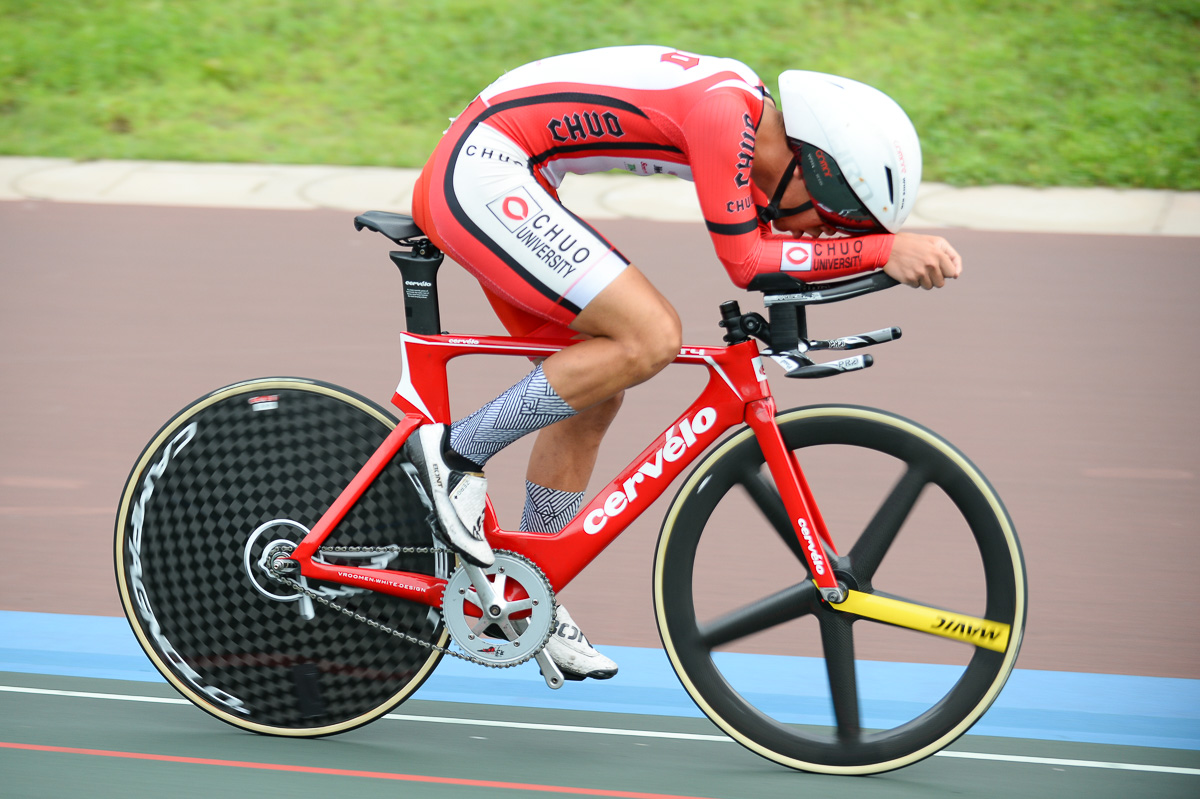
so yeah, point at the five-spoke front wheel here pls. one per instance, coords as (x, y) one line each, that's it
(935, 575)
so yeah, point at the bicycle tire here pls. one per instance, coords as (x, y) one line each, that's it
(745, 706)
(247, 464)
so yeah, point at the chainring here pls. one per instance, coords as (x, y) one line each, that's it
(524, 612)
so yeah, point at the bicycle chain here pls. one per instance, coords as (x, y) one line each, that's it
(277, 573)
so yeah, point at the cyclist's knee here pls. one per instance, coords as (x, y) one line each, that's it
(595, 420)
(646, 353)
(660, 345)
(604, 412)
(643, 325)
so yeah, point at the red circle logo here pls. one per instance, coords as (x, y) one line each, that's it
(515, 208)
(796, 255)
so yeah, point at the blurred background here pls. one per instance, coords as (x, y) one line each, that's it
(1054, 93)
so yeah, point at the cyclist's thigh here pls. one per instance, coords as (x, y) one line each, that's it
(519, 322)
(631, 307)
(492, 216)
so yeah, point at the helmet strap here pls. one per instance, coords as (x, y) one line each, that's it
(772, 211)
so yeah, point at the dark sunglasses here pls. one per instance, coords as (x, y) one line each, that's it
(835, 202)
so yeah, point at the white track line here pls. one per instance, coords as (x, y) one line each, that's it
(86, 695)
(522, 725)
(1056, 761)
(678, 736)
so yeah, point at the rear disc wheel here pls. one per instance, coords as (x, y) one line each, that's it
(232, 483)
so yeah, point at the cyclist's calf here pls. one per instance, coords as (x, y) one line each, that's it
(565, 453)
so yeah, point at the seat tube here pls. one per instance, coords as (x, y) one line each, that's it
(760, 416)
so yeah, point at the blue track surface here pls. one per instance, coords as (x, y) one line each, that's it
(1049, 705)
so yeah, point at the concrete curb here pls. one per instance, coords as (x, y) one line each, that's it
(607, 196)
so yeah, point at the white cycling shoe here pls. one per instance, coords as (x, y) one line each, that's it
(459, 496)
(574, 656)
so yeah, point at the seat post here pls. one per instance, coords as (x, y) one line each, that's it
(418, 268)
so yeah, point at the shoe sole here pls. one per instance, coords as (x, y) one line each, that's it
(591, 675)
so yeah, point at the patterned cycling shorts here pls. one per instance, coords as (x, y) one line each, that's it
(478, 200)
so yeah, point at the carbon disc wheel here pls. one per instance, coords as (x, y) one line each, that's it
(233, 481)
(791, 677)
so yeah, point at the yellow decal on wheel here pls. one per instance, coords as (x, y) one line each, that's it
(958, 626)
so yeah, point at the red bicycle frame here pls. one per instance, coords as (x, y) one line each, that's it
(737, 393)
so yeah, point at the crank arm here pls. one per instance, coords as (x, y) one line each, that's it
(934, 621)
(487, 597)
(483, 587)
(550, 670)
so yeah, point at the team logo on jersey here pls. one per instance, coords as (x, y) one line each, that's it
(555, 249)
(685, 60)
(796, 257)
(514, 208)
(745, 153)
(581, 126)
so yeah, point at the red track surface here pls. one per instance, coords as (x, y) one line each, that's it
(1063, 365)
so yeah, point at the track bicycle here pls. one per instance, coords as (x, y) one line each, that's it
(275, 558)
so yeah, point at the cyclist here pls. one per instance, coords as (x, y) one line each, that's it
(833, 157)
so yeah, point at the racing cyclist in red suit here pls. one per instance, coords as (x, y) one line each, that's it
(777, 183)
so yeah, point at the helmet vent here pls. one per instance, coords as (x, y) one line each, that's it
(891, 192)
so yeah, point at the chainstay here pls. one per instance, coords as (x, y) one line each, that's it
(277, 573)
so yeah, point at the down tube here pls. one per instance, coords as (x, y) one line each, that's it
(562, 556)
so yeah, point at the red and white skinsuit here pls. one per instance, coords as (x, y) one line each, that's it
(487, 196)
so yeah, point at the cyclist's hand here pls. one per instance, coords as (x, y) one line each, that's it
(922, 261)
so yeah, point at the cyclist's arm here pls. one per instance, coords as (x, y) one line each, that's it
(719, 132)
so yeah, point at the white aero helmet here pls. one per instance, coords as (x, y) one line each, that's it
(858, 150)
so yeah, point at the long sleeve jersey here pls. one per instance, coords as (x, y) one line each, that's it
(655, 110)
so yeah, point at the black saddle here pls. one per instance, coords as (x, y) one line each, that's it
(400, 228)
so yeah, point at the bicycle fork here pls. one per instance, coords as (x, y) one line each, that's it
(809, 528)
(807, 523)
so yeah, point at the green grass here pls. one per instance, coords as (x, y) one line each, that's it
(1099, 92)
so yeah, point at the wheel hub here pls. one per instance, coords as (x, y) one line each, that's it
(261, 554)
